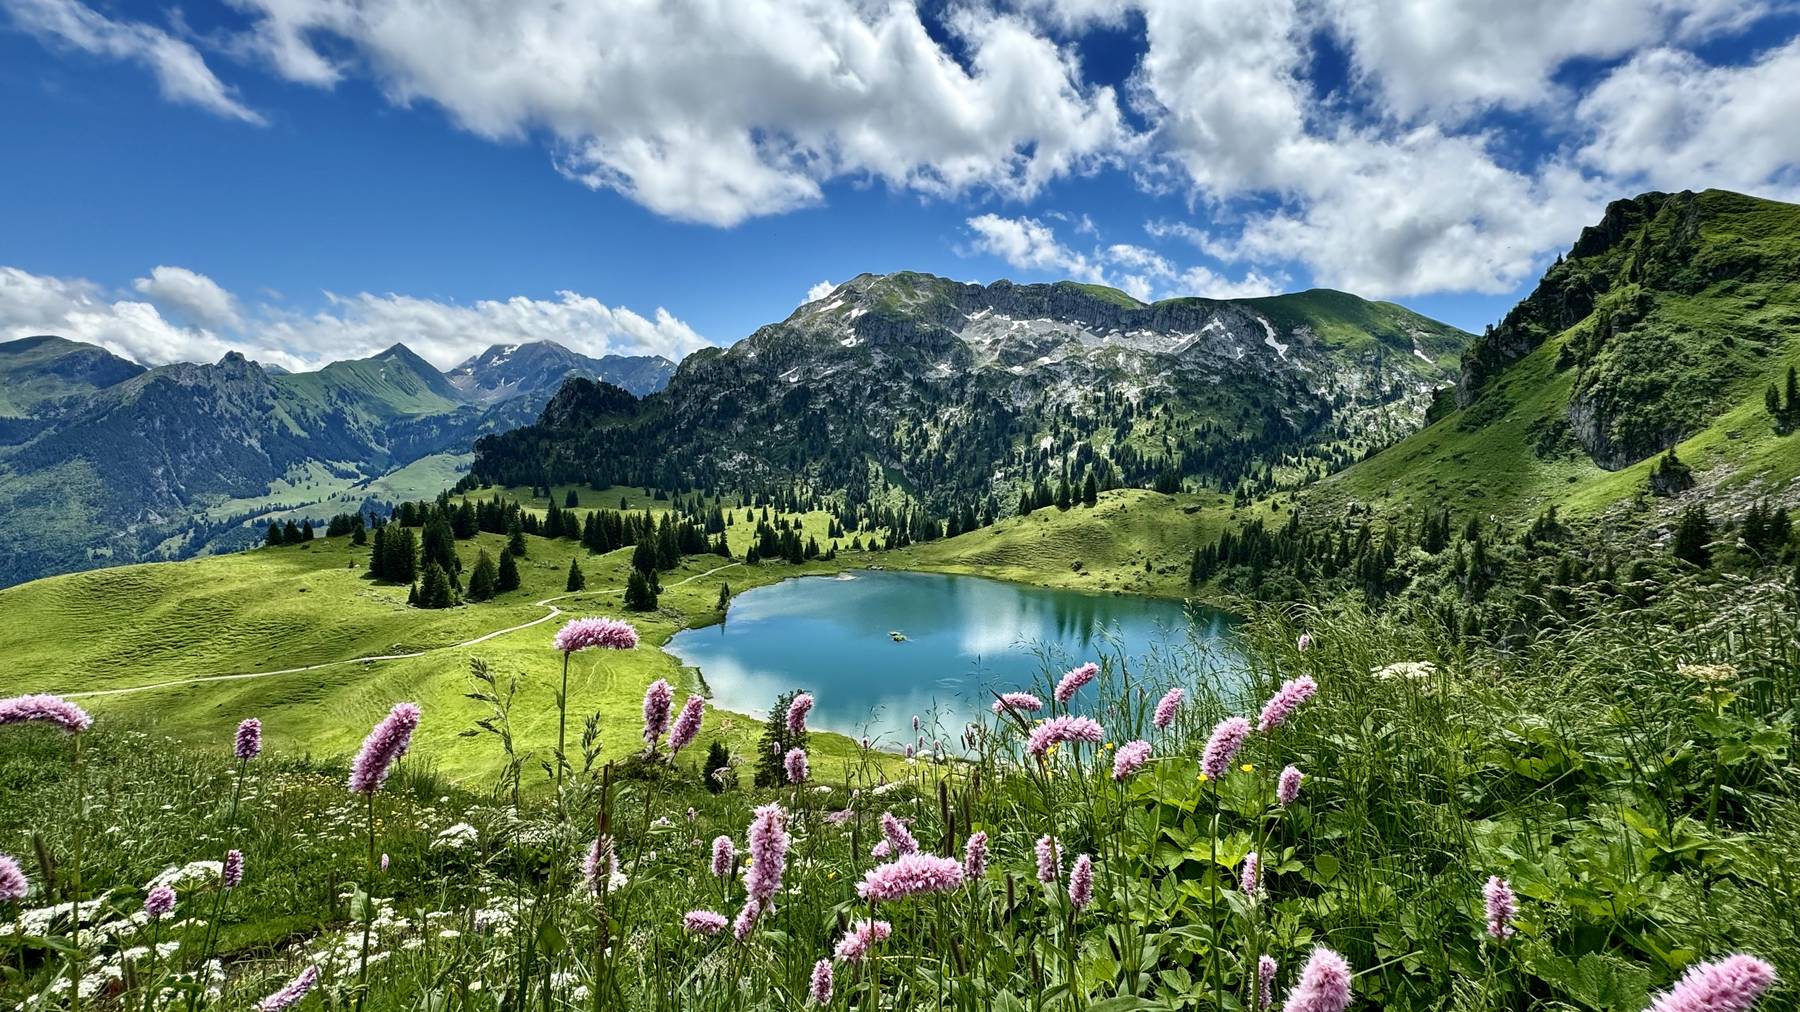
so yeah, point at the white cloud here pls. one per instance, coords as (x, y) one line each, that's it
(719, 112)
(1447, 60)
(819, 291)
(348, 327)
(190, 294)
(181, 72)
(1667, 120)
(1145, 274)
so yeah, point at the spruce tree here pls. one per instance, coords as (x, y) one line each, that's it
(718, 765)
(272, 537)
(776, 741)
(1090, 490)
(434, 587)
(306, 531)
(483, 579)
(515, 538)
(724, 596)
(572, 500)
(508, 577)
(577, 581)
(640, 594)
(1692, 534)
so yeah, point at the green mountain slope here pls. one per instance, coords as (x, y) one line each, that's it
(1663, 327)
(958, 394)
(36, 370)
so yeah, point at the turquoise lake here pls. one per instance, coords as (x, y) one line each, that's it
(833, 636)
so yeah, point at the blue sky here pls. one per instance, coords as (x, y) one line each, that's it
(309, 180)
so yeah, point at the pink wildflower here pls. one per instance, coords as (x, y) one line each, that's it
(1023, 702)
(233, 872)
(1265, 980)
(1166, 707)
(658, 699)
(795, 766)
(821, 982)
(898, 837)
(840, 816)
(13, 885)
(1063, 729)
(1304, 643)
(1287, 788)
(249, 739)
(797, 711)
(724, 855)
(746, 920)
(1130, 758)
(1226, 739)
(290, 995)
(588, 633)
(160, 902)
(1730, 985)
(862, 936)
(882, 850)
(703, 922)
(687, 724)
(768, 853)
(975, 853)
(48, 709)
(1324, 984)
(1285, 701)
(384, 746)
(1250, 876)
(1049, 859)
(1501, 907)
(1072, 682)
(910, 875)
(1081, 882)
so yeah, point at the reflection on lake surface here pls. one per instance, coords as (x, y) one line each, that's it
(958, 636)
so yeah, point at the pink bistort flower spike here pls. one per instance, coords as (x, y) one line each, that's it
(768, 853)
(1081, 882)
(291, 993)
(1250, 875)
(1731, 984)
(724, 855)
(1166, 708)
(860, 938)
(975, 855)
(591, 633)
(794, 764)
(659, 699)
(820, 987)
(1049, 859)
(687, 723)
(898, 838)
(703, 922)
(1226, 739)
(910, 875)
(45, 709)
(1061, 729)
(1324, 984)
(159, 902)
(1072, 682)
(1130, 758)
(13, 884)
(797, 711)
(1021, 702)
(1501, 907)
(384, 746)
(1265, 980)
(1285, 701)
(1287, 787)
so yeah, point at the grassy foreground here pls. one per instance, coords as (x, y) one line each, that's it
(1633, 779)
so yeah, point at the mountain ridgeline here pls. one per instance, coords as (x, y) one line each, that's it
(955, 396)
(104, 461)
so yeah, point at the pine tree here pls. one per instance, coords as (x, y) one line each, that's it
(272, 538)
(776, 741)
(640, 593)
(515, 538)
(571, 500)
(1090, 489)
(508, 577)
(1692, 534)
(306, 531)
(724, 596)
(434, 588)
(359, 535)
(718, 766)
(483, 579)
(577, 581)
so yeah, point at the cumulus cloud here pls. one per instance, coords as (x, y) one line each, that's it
(192, 295)
(1427, 57)
(1449, 162)
(1146, 275)
(819, 291)
(719, 112)
(347, 327)
(1668, 120)
(181, 72)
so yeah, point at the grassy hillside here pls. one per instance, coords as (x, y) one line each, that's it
(1663, 328)
(297, 606)
(1131, 541)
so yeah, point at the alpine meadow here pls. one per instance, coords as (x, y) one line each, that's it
(1339, 555)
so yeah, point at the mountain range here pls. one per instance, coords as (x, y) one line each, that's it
(952, 394)
(103, 460)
